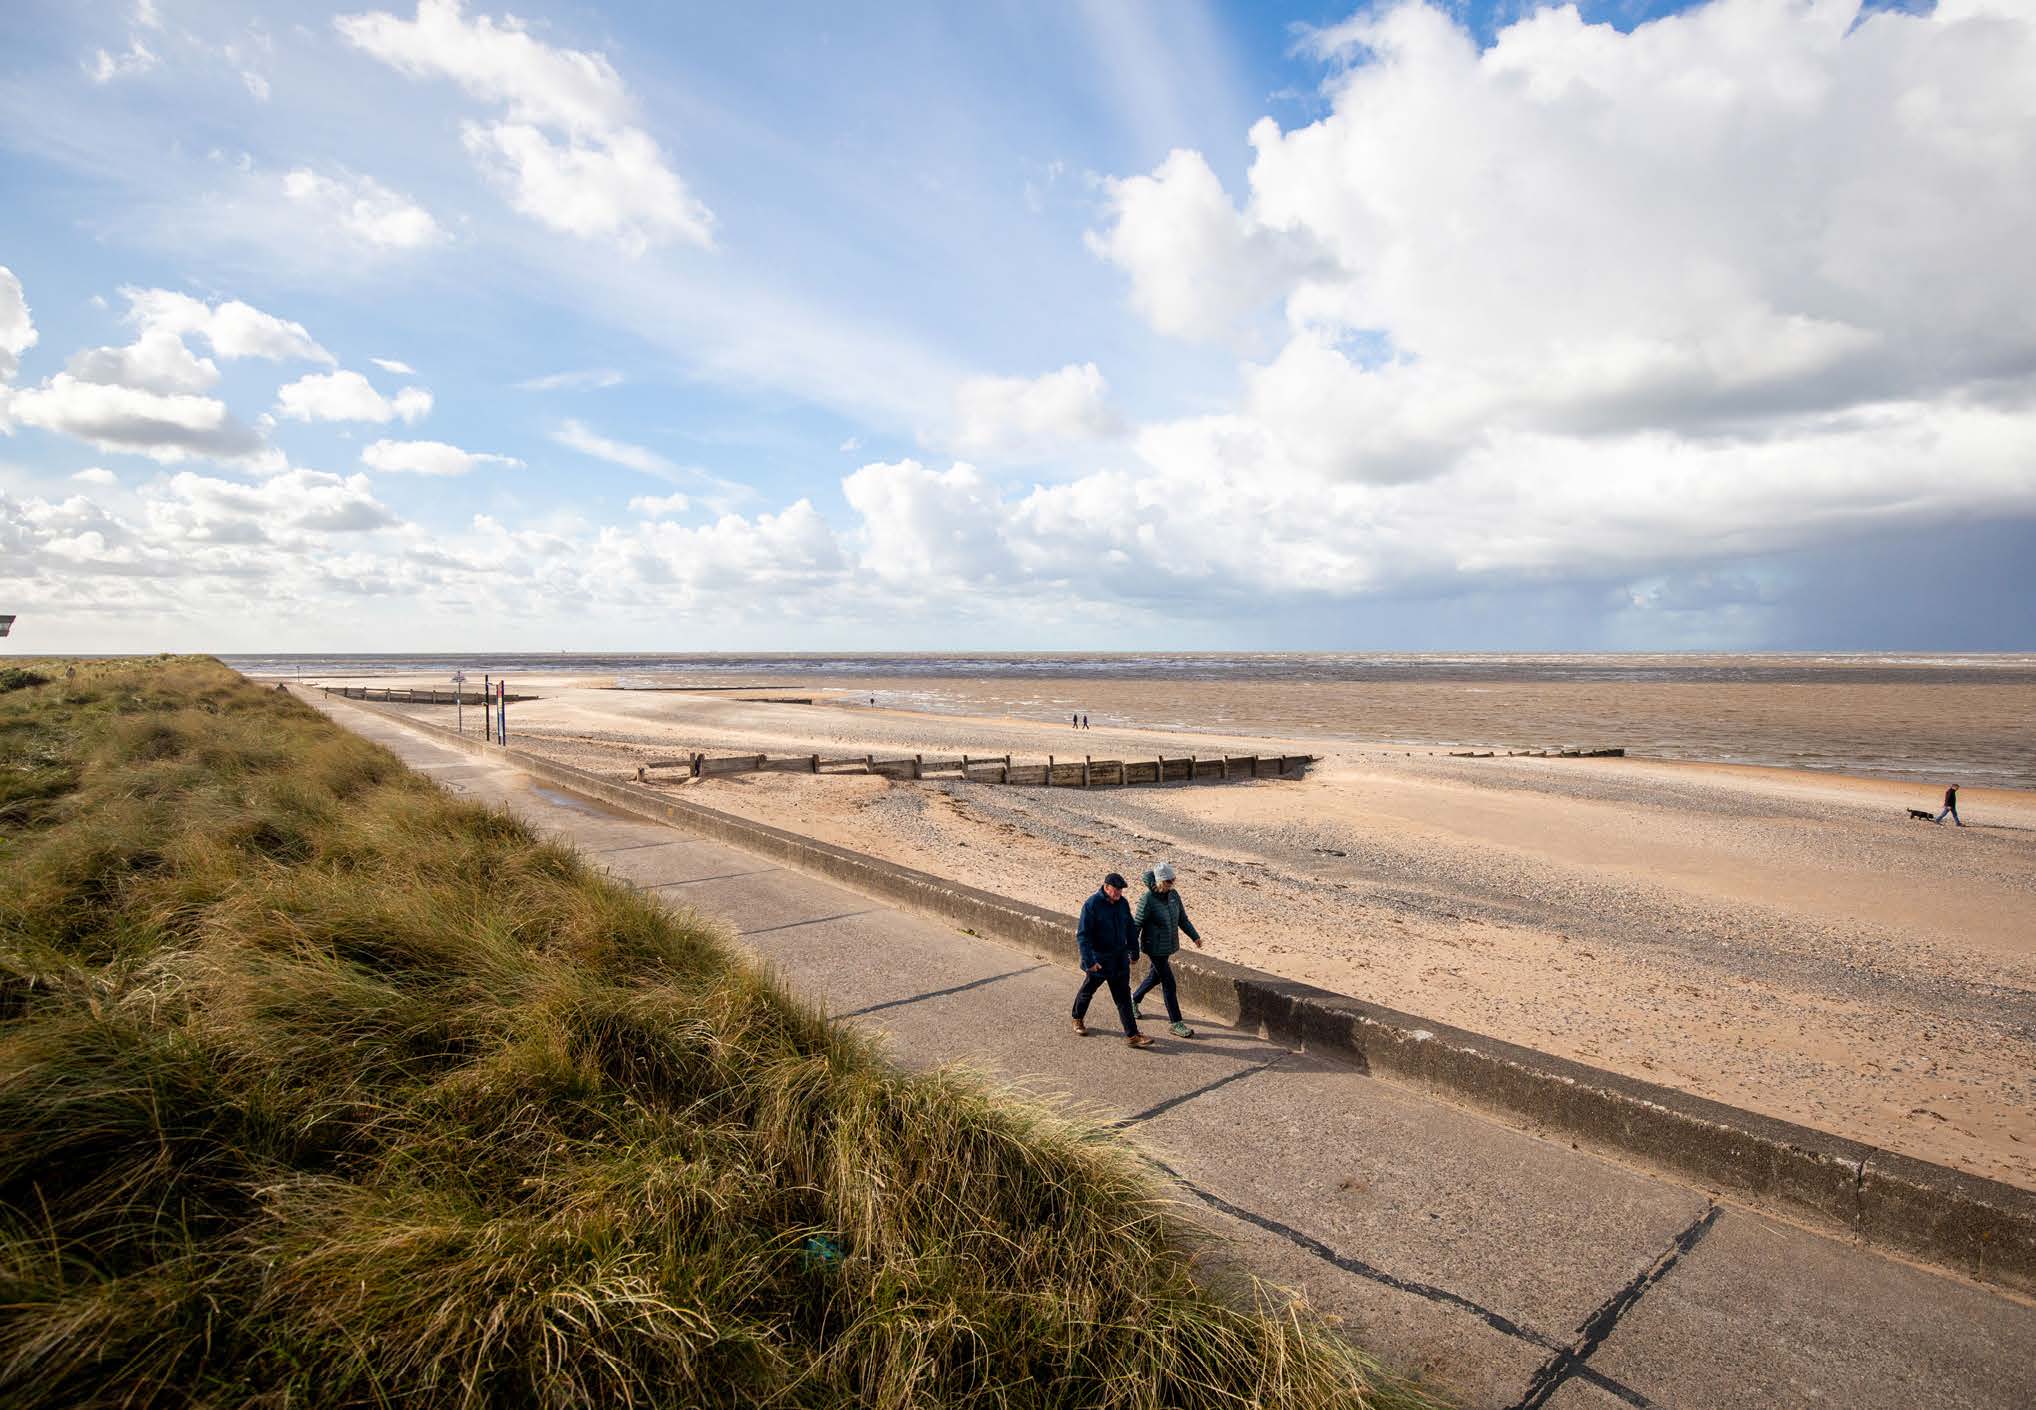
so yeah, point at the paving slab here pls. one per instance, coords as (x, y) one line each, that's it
(860, 966)
(1430, 1341)
(1762, 1313)
(1429, 1192)
(667, 862)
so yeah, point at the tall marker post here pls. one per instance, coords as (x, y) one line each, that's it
(459, 700)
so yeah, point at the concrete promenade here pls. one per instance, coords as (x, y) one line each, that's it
(1504, 1268)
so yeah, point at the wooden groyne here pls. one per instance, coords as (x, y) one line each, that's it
(1538, 754)
(1000, 769)
(398, 696)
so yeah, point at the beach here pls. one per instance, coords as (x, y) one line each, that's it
(1782, 939)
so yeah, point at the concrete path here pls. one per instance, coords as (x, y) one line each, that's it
(1510, 1270)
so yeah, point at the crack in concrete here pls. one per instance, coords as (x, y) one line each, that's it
(793, 924)
(1569, 1361)
(938, 993)
(1202, 1091)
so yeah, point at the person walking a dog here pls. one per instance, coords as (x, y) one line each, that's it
(1950, 807)
(1108, 941)
(1161, 917)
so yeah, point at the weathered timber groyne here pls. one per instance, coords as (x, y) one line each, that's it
(396, 695)
(999, 768)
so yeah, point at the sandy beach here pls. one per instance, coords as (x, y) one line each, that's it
(1779, 939)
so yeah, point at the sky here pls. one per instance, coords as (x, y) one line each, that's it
(1017, 325)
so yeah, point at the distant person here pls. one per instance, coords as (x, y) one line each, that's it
(1108, 942)
(1950, 807)
(1085, 722)
(1074, 721)
(1161, 917)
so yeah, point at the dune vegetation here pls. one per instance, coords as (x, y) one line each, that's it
(321, 1088)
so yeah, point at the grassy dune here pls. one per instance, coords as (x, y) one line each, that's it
(320, 1088)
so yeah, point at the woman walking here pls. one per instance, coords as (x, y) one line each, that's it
(1161, 916)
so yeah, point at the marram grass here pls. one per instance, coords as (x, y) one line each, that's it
(321, 1088)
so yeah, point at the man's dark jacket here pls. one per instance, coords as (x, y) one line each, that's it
(1105, 932)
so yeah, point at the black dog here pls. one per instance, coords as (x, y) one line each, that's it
(1920, 813)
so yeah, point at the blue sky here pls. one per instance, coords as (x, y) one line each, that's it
(1016, 325)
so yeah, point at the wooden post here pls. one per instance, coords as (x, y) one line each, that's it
(695, 770)
(1085, 770)
(918, 766)
(1226, 768)
(640, 778)
(869, 763)
(1007, 769)
(1194, 769)
(813, 764)
(1159, 774)
(1049, 771)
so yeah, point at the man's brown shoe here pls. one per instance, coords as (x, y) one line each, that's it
(1138, 1040)
(1081, 1029)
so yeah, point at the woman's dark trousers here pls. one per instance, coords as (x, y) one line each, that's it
(1118, 977)
(1162, 974)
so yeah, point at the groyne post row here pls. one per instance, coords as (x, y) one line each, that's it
(399, 696)
(998, 768)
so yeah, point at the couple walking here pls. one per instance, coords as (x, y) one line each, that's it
(1111, 934)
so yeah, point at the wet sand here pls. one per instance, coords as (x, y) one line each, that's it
(1778, 939)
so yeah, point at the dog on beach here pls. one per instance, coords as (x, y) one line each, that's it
(1922, 813)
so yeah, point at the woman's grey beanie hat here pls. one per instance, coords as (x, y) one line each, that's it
(1163, 872)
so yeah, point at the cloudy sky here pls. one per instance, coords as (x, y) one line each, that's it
(1017, 324)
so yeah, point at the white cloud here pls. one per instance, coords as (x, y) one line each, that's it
(429, 458)
(659, 506)
(926, 525)
(1028, 417)
(619, 188)
(348, 396)
(257, 86)
(157, 361)
(558, 381)
(202, 508)
(390, 364)
(1198, 267)
(1741, 213)
(734, 557)
(233, 329)
(138, 59)
(17, 329)
(166, 428)
(570, 152)
(576, 436)
(364, 208)
(96, 476)
(850, 446)
(146, 15)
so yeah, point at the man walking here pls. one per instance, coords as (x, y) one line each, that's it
(1107, 943)
(1950, 807)
(1161, 917)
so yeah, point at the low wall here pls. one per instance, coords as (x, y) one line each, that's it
(1979, 1227)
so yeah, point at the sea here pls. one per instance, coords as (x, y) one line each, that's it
(1968, 718)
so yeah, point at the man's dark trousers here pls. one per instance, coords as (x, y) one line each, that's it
(1116, 974)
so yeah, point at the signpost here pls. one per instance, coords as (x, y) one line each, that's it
(459, 700)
